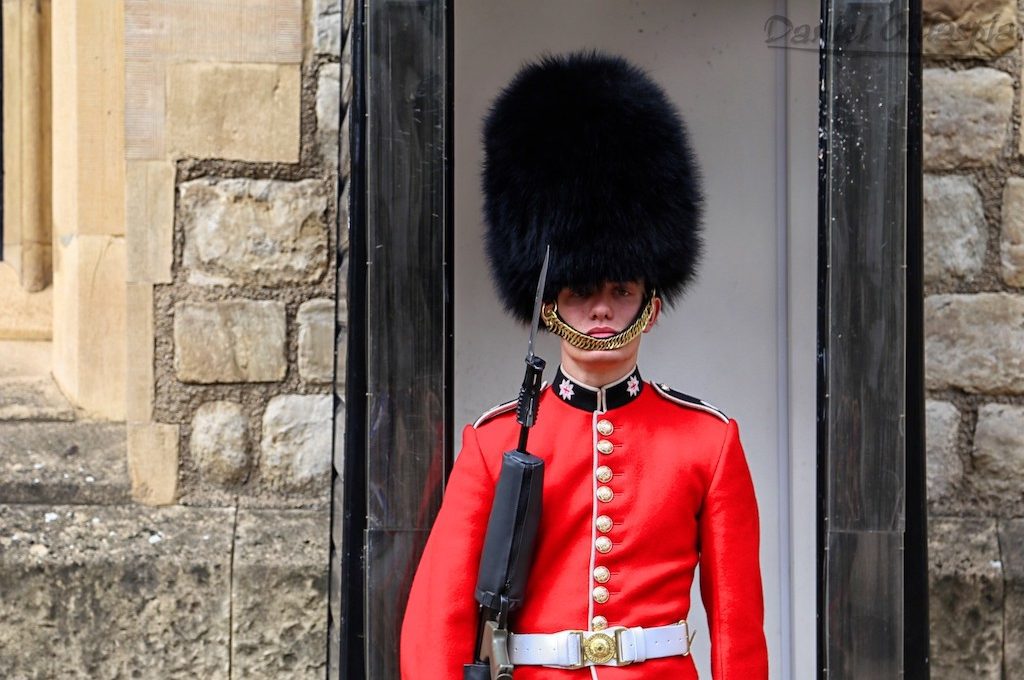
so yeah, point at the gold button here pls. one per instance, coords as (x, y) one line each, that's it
(604, 446)
(604, 494)
(600, 594)
(599, 623)
(603, 544)
(604, 524)
(604, 427)
(601, 574)
(604, 474)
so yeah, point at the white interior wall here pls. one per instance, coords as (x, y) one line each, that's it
(743, 338)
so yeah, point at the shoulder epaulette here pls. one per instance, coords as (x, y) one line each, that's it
(503, 407)
(495, 411)
(686, 400)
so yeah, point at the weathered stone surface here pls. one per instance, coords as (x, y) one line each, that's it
(328, 27)
(80, 462)
(153, 462)
(229, 341)
(33, 398)
(114, 592)
(328, 112)
(220, 441)
(246, 112)
(954, 230)
(149, 221)
(998, 474)
(975, 342)
(1011, 542)
(280, 552)
(316, 340)
(1011, 246)
(965, 599)
(296, 443)
(966, 116)
(945, 469)
(980, 29)
(254, 231)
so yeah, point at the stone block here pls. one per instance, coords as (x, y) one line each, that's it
(283, 553)
(966, 116)
(116, 592)
(24, 358)
(56, 463)
(978, 29)
(1011, 246)
(33, 398)
(296, 442)
(139, 380)
(945, 469)
(328, 112)
(316, 340)
(998, 455)
(247, 112)
(149, 228)
(229, 341)
(89, 334)
(1011, 541)
(965, 599)
(328, 27)
(220, 441)
(256, 232)
(24, 315)
(153, 462)
(973, 342)
(954, 230)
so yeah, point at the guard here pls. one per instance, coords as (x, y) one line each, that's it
(585, 154)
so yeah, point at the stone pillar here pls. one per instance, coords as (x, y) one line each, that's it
(88, 206)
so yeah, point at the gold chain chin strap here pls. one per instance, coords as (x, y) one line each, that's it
(563, 330)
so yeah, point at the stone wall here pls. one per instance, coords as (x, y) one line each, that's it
(233, 139)
(215, 248)
(974, 346)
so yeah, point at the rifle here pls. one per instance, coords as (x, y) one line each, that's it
(511, 528)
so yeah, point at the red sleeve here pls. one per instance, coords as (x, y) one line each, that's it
(730, 571)
(439, 629)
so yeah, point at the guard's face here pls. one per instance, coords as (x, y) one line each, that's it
(603, 311)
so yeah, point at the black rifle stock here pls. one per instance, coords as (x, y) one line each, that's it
(511, 536)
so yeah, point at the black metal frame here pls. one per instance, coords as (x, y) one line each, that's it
(915, 553)
(351, 661)
(916, 641)
(350, 526)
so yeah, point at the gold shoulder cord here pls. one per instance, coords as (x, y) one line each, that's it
(559, 327)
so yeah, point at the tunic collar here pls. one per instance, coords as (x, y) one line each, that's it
(589, 398)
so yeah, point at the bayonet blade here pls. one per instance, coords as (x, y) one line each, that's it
(537, 302)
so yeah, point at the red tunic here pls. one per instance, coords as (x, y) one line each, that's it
(680, 494)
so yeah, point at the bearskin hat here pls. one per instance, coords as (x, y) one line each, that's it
(584, 152)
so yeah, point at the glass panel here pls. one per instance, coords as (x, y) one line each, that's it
(867, 233)
(864, 440)
(406, 305)
(865, 605)
(393, 556)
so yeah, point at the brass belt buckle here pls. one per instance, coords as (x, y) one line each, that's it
(598, 647)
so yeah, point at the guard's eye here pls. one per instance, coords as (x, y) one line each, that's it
(581, 291)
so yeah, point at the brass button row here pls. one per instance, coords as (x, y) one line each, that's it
(604, 523)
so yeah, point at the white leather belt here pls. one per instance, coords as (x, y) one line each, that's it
(615, 646)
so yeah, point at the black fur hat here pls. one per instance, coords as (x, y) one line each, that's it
(586, 153)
